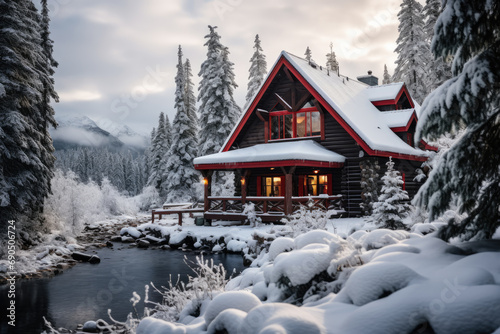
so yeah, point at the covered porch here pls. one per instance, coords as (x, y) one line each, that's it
(276, 177)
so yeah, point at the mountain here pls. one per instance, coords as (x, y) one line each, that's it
(124, 134)
(81, 131)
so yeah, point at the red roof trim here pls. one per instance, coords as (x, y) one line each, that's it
(428, 147)
(284, 62)
(266, 164)
(407, 127)
(394, 101)
(252, 106)
(383, 102)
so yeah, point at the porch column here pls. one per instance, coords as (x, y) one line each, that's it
(288, 189)
(244, 181)
(207, 182)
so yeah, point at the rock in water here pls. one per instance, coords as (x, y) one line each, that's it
(86, 257)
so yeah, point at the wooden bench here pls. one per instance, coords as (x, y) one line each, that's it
(179, 212)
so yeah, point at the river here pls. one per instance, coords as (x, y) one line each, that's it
(86, 291)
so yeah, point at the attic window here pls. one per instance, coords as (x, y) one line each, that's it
(304, 123)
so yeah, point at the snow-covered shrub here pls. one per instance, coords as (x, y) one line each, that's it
(148, 199)
(239, 300)
(73, 204)
(392, 205)
(306, 219)
(181, 300)
(249, 211)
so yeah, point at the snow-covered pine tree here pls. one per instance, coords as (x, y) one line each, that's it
(413, 50)
(387, 77)
(392, 205)
(438, 68)
(216, 111)
(160, 146)
(189, 98)
(308, 54)
(257, 71)
(331, 61)
(470, 170)
(369, 185)
(26, 151)
(180, 174)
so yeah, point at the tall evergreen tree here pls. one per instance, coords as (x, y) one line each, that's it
(180, 174)
(160, 146)
(470, 170)
(387, 77)
(217, 109)
(308, 54)
(413, 50)
(331, 61)
(257, 71)
(392, 205)
(189, 98)
(438, 68)
(26, 151)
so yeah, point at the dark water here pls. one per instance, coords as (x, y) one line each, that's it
(87, 291)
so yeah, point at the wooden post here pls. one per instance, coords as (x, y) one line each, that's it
(207, 182)
(244, 181)
(288, 194)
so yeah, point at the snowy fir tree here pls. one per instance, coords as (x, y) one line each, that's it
(180, 174)
(26, 151)
(189, 98)
(413, 50)
(257, 71)
(392, 205)
(438, 68)
(217, 107)
(369, 185)
(160, 146)
(387, 77)
(308, 54)
(331, 61)
(470, 170)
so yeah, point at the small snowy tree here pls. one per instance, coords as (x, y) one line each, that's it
(413, 50)
(180, 175)
(331, 61)
(392, 205)
(258, 70)
(470, 170)
(369, 185)
(387, 77)
(308, 54)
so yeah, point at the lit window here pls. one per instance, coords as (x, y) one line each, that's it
(272, 186)
(305, 123)
(315, 185)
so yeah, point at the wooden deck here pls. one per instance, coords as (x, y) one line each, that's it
(178, 211)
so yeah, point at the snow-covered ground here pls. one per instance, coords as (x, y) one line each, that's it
(371, 282)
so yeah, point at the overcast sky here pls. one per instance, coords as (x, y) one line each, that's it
(117, 58)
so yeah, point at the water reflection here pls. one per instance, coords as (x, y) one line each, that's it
(86, 292)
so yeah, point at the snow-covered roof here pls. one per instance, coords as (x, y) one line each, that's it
(384, 92)
(351, 100)
(397, 118)
(291, 150)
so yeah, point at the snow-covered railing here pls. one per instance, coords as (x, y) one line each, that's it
(273, 204)
(322, 202)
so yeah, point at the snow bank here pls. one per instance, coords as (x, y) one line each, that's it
(238, 300)
(280, 245)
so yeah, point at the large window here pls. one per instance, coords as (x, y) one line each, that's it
(315, 185)
(272, 186)
(305, 123)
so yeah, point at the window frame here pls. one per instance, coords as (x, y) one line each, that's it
(280, 115)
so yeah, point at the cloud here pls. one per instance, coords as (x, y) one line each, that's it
(105, 48)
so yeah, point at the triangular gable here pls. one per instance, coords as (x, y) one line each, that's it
(313, 90)
(388, 94)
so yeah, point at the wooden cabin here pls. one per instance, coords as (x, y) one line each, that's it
(306, 134)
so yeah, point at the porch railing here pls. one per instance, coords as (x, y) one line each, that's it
(272, 205)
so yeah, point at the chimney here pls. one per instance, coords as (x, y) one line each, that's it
(368, 79)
